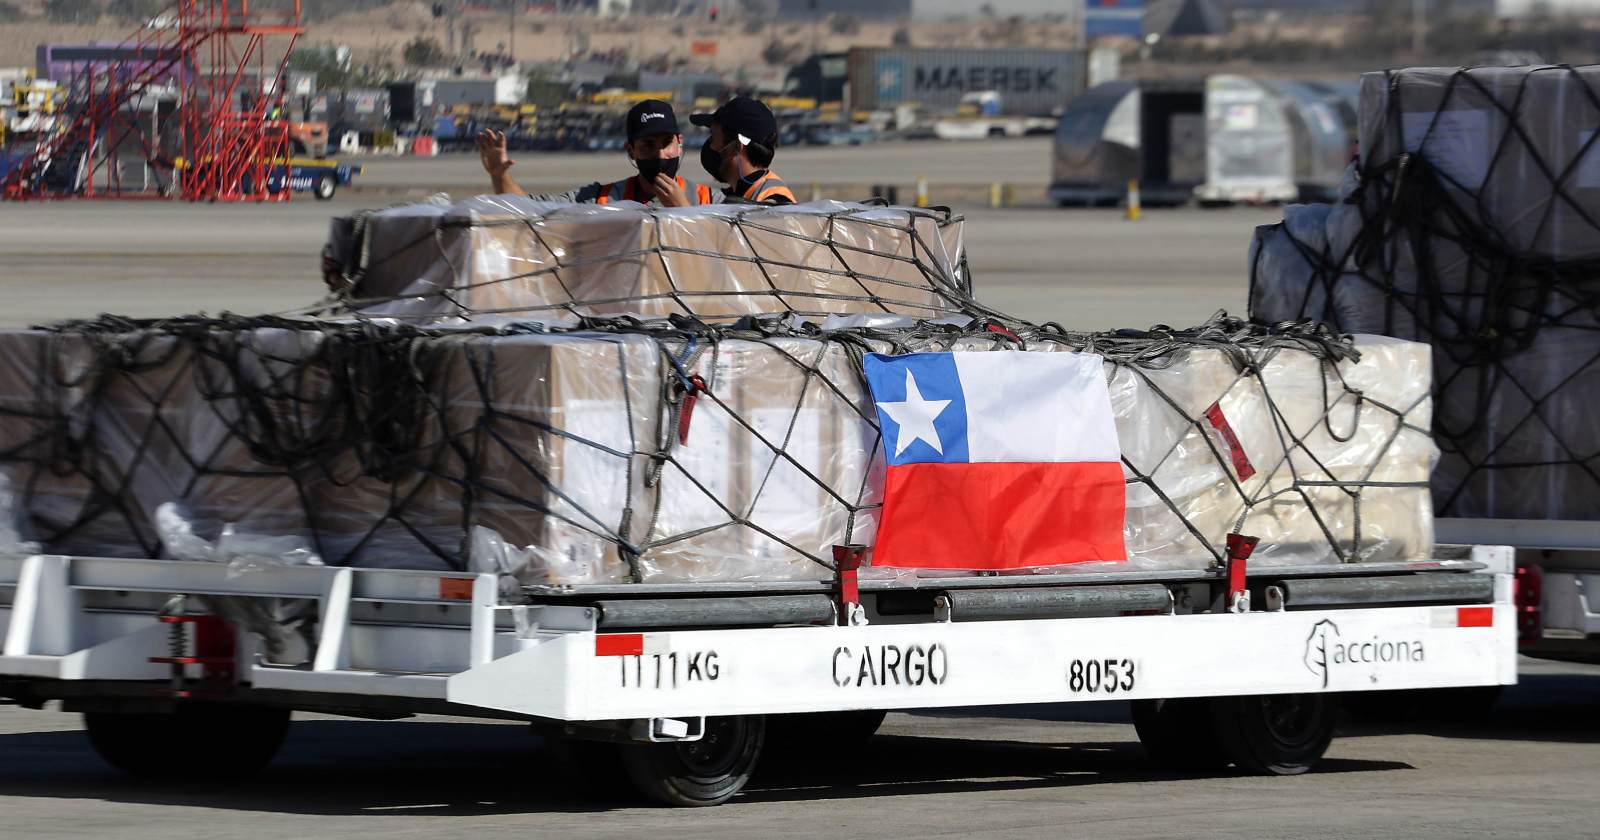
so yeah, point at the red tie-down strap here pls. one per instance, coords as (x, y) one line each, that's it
(847, 564)
(997, 328)
(1240, 547)
(686, 410)
(1230, 441)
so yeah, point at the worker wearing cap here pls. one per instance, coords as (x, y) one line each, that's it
(744, 138)
(655, 145)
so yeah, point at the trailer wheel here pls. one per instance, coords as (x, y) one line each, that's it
(1277, 734)
(698, 773)
(1179, 734)
(327, 185)
(195, 741)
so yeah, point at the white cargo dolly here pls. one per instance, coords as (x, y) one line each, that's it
(681, 683)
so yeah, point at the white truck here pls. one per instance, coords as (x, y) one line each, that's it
(676, 686)
(1558, 582)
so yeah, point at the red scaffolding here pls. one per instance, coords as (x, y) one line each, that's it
(190, 107)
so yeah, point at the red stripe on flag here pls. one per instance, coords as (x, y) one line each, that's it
(1001, 516)
(619, 644)
(1475, 616)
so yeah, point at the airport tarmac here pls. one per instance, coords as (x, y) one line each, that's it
(1087, 269)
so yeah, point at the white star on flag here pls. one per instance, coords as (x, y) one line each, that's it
(915, 417)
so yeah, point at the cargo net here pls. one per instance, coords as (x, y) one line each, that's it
(494, 258)
(1471, 222)
(624, 450)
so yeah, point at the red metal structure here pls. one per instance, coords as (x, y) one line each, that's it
(194, 111)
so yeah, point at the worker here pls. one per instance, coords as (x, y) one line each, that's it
(655, 145)
(744, 138)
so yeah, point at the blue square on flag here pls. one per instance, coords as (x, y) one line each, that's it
(996, 460)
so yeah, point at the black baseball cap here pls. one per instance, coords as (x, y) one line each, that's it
(743, 115)
(651, 116)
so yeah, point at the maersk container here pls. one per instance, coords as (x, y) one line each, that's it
(1029, 81)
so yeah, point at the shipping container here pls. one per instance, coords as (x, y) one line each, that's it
(1029, 81)
(358, 109)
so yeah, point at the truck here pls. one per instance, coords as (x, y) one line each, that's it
(322, 178)
(1558, 582)
(677, 688)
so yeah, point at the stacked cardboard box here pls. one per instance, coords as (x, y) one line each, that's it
(575, 457)
(507, 255)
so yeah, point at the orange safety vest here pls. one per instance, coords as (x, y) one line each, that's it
(628, 190)
(767, 187)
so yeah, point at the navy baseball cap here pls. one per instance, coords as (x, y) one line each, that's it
(652, 116)
(745, 116)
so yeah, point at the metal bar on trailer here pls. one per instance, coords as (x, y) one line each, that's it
(717, 612)
(1058, 602)
(1339, 592)
(723, 588)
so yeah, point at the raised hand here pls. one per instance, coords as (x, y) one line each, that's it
(492, 151)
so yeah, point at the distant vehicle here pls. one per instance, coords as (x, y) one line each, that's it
(309, 138)
(321, 178)
(981, 115)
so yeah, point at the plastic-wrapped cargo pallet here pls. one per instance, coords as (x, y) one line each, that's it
(511, 256)
(1472, 222)
(576, 448)
(564, 457)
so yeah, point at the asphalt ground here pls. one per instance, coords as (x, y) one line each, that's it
(1021, 161)
(1528, 768)
(1088, 269)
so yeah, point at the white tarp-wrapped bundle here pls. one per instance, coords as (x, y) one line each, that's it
(652, 454)
(1471, 222)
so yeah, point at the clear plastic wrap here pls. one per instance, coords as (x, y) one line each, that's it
(657, 455)
(511, 255)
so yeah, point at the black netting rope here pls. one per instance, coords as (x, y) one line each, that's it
(1489, 300)
(416, 412)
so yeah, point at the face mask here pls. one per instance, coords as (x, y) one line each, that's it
(711, 159)
(650, 167)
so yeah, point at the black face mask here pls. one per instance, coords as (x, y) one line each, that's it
(650, 167)
(711, 159)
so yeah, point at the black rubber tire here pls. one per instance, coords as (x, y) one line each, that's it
(326, 186)
(698, 773)
(1179, 734)
(197, 741)
(1277, 734)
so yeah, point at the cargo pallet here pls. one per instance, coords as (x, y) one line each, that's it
(677, 685)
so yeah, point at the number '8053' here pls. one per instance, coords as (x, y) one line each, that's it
(1101, 676)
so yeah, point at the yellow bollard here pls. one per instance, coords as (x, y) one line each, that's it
(997, 195)
(922, 191)
(1133, 207)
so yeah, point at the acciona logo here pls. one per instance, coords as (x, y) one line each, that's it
(1327, 649)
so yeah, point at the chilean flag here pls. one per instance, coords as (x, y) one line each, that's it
(996, 460)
